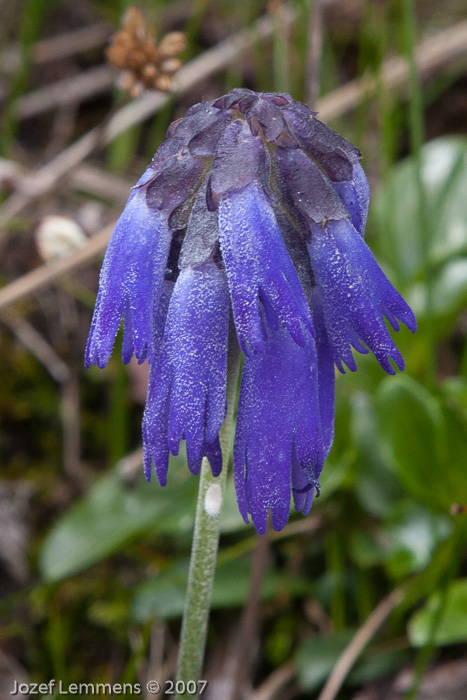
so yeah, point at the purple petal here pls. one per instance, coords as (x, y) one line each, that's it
(259, 266)
(278, 417)
(355, 292)
(356, 196)
(301, 123)
(303, 495)
(205, 142)
(186, 398)
(326, 372)
(204, 117)
(238, 98)
(130, 283)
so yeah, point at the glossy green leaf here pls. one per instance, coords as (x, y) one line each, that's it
(427, 442)
(316, 657)
(395, 207)
(452, 627)
(163, 596)
(376, 486)
(112, 513)
(412, 534)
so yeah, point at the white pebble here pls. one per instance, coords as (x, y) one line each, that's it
(58, 236)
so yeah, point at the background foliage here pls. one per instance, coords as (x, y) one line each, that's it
(93, 561)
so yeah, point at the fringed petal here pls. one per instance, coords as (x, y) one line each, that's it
(278, 417)
(355, 295)
(130, 283)
(187, 390)
(259, 266)
(356, 196)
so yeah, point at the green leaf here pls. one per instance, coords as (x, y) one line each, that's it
(163, 596)
(412, 534)
(449, 294)
(409, 419)
(316, 657)
(395, 206)
(376, 486)
(427, 442)
(111, 514)
(452, 628)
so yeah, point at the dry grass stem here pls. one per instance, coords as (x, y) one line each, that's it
(58, 47)
(246, 648)
(37, 346)
(46, 274)
(433, 54)
(313, 58)
(68, 90)
(273, 687)
(353, 650)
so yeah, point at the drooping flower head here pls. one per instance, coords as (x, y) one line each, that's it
(251, 210)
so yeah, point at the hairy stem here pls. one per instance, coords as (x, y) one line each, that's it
(204, 548)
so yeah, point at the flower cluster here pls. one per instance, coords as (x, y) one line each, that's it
(252, 210)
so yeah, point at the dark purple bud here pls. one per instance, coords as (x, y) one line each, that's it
(180, 216)
(304, 186)
(239, 98)
(191, 125)
(174, 184)
(168, 151)
(205, 142)
(281, 99)
(269, 118)
(202, 233)
(236, 162)
(301, 123)
(334, 154)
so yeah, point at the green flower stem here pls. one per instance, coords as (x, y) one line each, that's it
(204, 548)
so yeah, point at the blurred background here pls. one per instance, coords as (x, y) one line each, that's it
(366, 598)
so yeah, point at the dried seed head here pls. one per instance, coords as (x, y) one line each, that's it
(163, 83)
(144, 64)
(172, 44)
(170, 65)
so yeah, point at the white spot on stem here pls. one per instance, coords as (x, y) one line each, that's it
(213, 500)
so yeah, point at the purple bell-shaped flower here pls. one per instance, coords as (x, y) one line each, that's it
(252, 210)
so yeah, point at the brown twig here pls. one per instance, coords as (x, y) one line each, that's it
(45, 274)
(68, 90)
(273, 686)
(58, 47)
(432, 54)
(71, 421)
(85, 177)
(99, 182)
(353, 650)
(38, 346)
(247, 643)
